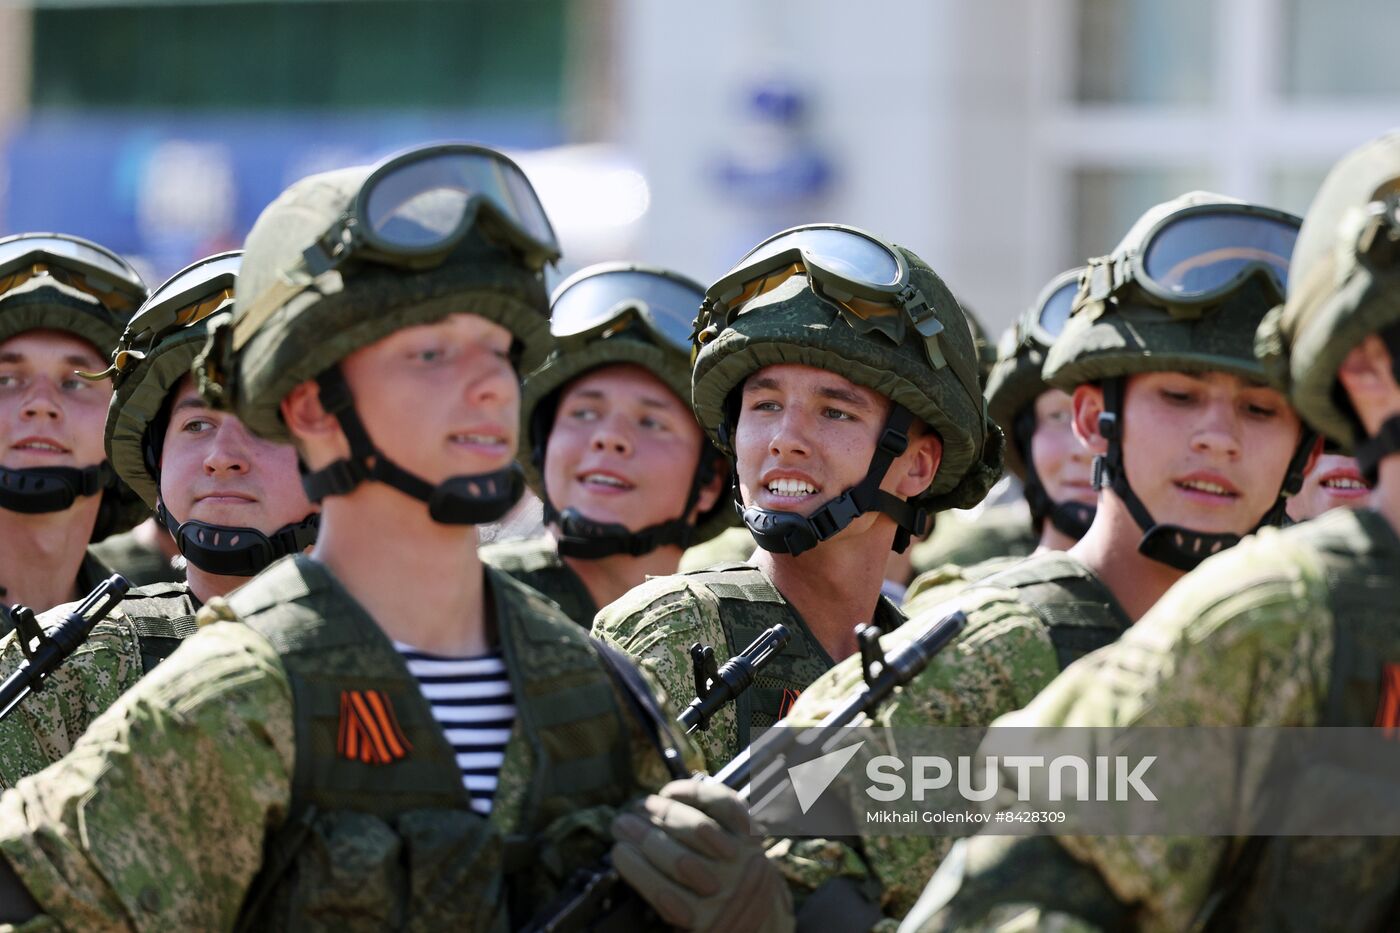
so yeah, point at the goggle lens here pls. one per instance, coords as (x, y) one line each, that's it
(843, 252)
(592, 302)
(1203, 254)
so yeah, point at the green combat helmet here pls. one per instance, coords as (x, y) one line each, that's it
(52, 281)
(345, 258)
(986, 350)
(606, 315)
(840, 299)
(157, 351)
(1014, 385)
(1183, 292)
(1344, 283)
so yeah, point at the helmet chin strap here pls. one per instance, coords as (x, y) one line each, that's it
(790, 533)
(457, 500)
(35, 490)
(237, 552)
(581, 537)
(1069, 518)
(1173, 545)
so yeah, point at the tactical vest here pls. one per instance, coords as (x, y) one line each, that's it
(161, 616)
(748, 604)
(1338, 882)
(1079, 611)
(537, 564)
(395, 844)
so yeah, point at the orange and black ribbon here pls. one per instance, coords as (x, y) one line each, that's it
(789, 698)
(1388, 712)
(369, 731)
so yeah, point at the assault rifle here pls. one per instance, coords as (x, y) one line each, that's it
(597, 900)
(715, 687)
(45, 651)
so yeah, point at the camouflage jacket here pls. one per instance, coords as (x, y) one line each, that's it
(970, 537)
(163, 814)
(536, 563)
(1024, 625)
(1249, 638)
(656, 623)
(939, 584)
(144, 629)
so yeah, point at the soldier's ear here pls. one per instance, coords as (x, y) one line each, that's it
(315, 432)
(1088, 405)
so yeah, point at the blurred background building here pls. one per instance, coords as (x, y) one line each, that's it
(1003, 140)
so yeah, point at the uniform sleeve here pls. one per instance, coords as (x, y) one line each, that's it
(1246, 640)
(655, 625)
(156, 820)
(996, 665)
(43, 728)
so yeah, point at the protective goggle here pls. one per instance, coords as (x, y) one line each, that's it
(866, 278)
(1202, 253)
(412, 210)
(75, 262)
(187, 297)
(600, 301)
(1046, 319)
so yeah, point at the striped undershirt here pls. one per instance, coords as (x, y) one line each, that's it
(472, 701)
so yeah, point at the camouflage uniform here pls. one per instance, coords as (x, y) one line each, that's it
(1292, 628)
(218, 789)
(145, 627)
(995, 533)
(131, 842)
(728, 605)
(725, 607)
(536, 563)
(1026, 622)
(91, 572)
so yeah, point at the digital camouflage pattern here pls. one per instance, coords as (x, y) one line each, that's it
(656, 623)
(159, 816)
(971, 537)
(536, 563)
(1024, 625)
(1247, 639)
(938, 585)
(144, 628)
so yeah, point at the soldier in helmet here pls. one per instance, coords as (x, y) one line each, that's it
(384, 729)
(63, 303)
(232, 502)
(1292, 628)
(839, 373)
(606, 419)
(1194, 451)
(1041, 450)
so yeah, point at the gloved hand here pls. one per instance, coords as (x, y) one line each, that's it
(688, 851)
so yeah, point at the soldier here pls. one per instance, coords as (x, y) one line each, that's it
(390, 732)
(1292, 628)
(1334, 482)
(1041, 451)
(232, 501)
(63, 302)
(606, 420)
(1193, 449)
(839, 373)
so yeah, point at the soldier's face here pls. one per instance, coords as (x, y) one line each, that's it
(440, 399)
(1063, 464)
(1208, 451)
(49, 416)
(805, 435)
(213, 469)
(1335, 481)
(622, 448)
